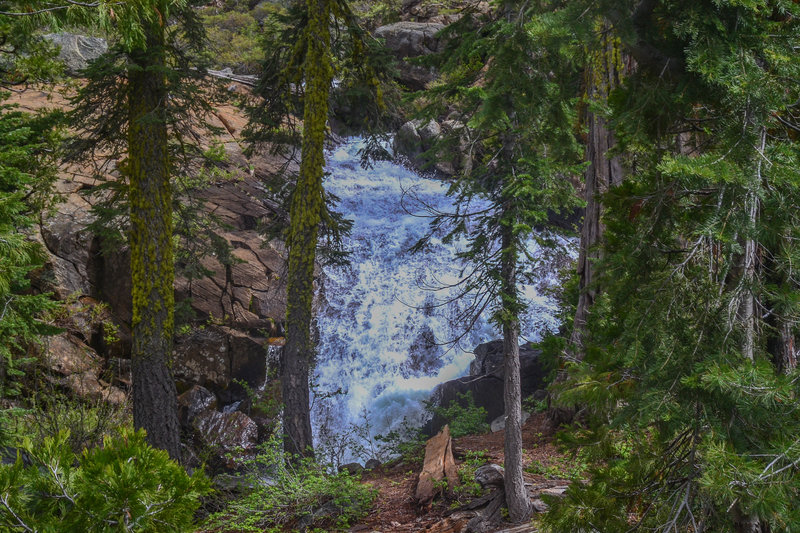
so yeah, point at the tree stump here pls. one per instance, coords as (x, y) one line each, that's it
(439, 467)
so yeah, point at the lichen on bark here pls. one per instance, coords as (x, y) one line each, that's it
(305, 217)
(152, 263)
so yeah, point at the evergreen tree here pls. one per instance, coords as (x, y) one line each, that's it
(305, 217)
(155, 405)
(141, 95)
(512, 96)
(688, 377)
(316, 39)
(28, 149)
(605, 68)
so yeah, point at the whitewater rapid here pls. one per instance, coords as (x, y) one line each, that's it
(378, 327)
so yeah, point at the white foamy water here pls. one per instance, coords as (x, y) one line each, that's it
(376, 324)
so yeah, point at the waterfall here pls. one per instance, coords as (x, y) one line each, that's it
(379, 329)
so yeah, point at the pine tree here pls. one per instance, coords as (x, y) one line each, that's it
(512, 95)
(141, 95)
(688, 379)
(28, 150)
(298, 73)
(305, 217)
(605, 68)
(155, 405)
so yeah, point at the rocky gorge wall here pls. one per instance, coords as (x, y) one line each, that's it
(235, 313)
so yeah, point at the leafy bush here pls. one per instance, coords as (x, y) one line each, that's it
(27, 147)
(463, 416)
(124, 485)
(297, 494)
(468, 488)
(557, 467)
(233, 41)
(87, 422)
(532, 405)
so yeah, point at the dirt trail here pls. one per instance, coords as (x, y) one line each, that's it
(396, 511)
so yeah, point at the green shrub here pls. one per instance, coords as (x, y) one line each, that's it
(468, 488)
(560, 467)
(234, 41)
(87, 422)
(532, 405)
(300, 495)
(463, 416)
(124, 485)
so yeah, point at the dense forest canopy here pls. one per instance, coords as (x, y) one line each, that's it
(165, 224)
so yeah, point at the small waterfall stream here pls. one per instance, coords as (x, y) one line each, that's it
(378, 327)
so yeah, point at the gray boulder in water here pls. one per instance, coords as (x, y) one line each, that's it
(76, 51)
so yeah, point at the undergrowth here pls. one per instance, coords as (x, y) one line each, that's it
(293, 495)
(463, 416)
(123, 485)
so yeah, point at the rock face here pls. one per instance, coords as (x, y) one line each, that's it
(490, 476)
(193, 402)
(76, 51)
(218, 432)
(409, 40)
(245, 292)
(431, 11)
(231, 313)
(415, 140)
(226, 432)
(485, 381)
(499, 423)
(79, 369)
(68, 246)
(216, 356)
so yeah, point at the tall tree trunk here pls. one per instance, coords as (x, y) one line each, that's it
(305, 216)
(747, 314)
(155, 405)
(602, 76)
(519, 507)
(743, 522)
(603, 172)
(746, 524)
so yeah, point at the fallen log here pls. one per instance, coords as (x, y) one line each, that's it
(227, 74)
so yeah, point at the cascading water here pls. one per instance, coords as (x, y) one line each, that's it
(379, 326)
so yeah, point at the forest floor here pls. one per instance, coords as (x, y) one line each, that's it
(395, 510)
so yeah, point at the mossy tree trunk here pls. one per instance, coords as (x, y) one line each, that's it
(152, 269)
(305, 217)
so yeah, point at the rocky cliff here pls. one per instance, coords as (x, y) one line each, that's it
(235, 313)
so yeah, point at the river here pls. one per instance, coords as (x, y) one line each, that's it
(383, 340)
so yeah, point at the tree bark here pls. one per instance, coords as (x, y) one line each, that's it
(747, 314)
(155, 405)
(786, 359)
(744, 523)
(602, 173)
(519, 507)
(305, 217)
